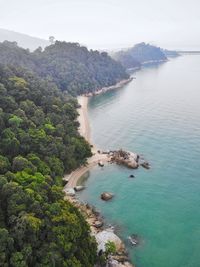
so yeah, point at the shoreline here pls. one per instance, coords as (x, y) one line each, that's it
(109, 88)
(93, 218)
(84, 130)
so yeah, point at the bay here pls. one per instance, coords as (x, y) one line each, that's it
(158, 116)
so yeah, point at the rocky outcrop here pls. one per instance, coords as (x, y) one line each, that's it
(70, 192)
(108, 235)
(106, 196)
(128, 159)
(98, 224)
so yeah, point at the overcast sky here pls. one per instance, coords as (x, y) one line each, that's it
(107, 23)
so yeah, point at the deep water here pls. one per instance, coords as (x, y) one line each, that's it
(158, 116)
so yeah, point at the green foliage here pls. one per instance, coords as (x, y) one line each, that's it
(39, 141)
(110, 248)
(72, 67)
(4, 164)
(15, 121)
(20, 163)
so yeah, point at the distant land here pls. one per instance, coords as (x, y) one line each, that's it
(141, 54)
(23, 40)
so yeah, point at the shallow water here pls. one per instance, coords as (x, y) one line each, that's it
(158, 116)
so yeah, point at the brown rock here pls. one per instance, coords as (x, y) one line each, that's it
(98, 224)
(106, 196)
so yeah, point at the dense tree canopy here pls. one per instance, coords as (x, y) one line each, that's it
(38, 143)
(72, 67)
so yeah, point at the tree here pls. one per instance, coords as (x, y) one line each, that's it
(6, 246)
(51, 40)
(20, 163)
(4, 164)
(110, 248)
(39, 141)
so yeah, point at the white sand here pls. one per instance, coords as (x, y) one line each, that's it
(84, 130)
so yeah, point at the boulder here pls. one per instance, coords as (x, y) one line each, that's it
(70, 192)
(133, 239)
(145, 165)
(108, 235)
(98, 224)
(106, 196)
(79, 188)
(131, 164)
(100, 163)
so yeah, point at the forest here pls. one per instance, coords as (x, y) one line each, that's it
(38, 143)
(72, 67)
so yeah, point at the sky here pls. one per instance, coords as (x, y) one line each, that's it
(107, 24)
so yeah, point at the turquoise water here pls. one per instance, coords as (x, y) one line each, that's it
(158, 116)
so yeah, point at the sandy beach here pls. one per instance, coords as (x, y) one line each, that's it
(84, 130)
(73, 178)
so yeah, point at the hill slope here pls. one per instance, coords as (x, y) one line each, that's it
(72, 67)
(39, 141)
(23, 40)
(139, 54)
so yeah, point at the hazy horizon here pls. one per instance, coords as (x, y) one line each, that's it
(107, 24)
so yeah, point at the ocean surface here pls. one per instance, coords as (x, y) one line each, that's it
(157, 115)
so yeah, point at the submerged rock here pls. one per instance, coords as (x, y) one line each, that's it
(145, 165)
(134, 240)
(106, 196)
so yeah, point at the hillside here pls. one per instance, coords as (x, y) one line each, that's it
(140, 54)
(73, 68)
(39, 141)
(23, 40)
(127, 60)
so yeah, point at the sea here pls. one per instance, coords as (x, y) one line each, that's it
(156, 115)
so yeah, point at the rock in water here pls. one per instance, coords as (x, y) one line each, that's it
(145, 165)
(106, 196)
(79, 188)
(101, 163)
(70, 192)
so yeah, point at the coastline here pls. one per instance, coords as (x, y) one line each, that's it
(120, 258)
(109, 88)
(84, 130)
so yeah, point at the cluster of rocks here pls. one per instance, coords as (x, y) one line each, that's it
(120, 258)
(129, 159)
(102, 236)
(70, 191)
